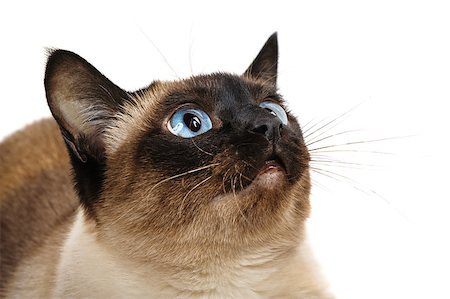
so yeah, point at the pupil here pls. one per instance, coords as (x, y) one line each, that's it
(192, 121)
(271, 111)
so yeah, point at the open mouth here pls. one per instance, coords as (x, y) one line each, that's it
(273, 163)
(271, 174)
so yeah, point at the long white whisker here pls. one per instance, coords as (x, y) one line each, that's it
(183, 174)
(355, 184)
(318, 184)
(327, 161)
(332, 121)
(339, 178)
(358, 186)
(191, 42)
(305, 126)
(160, 52)
(357, 142)
(315, 140)
(353, 151)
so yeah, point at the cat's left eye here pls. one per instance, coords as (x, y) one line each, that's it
(276, 110)
(189, 122)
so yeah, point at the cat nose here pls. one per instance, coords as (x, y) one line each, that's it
(270, 127)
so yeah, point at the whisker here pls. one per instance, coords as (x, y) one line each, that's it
(320, 185)
(160, 52)
(249, 165)
(224, 178)
(355, 167)
(240, 181)
(191, 42)
(305, 126)
(354, 151)
(202, 150)
(180, 209)
(331, 161)
(233, 189)
(243, 176)
(315, 140)
(317, 136)
(338, 178)
(307, 130)
(183, 174)
(331, 173)
(358, 142)
(319, 155)
(361, 188)
(332, 121)
(355, 184)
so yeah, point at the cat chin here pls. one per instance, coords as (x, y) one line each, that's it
(271, 176)
(270, 179)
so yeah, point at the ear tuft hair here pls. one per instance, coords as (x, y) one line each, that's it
(82, 101)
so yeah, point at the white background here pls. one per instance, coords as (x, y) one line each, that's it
(379, 231)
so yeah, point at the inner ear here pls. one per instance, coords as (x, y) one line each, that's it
(83, 102)
(265, 65)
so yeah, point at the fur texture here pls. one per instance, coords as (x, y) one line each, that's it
(151, 214)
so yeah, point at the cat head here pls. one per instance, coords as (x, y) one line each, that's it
(212, 159)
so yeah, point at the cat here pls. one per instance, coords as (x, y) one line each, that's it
(196, 188)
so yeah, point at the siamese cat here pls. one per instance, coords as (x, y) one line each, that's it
(197, 188)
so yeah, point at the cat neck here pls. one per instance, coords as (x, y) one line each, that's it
(87, 268)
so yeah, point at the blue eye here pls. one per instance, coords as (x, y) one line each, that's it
(189, 122)
(276, 110)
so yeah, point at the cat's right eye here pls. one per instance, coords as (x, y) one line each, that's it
(189, 122)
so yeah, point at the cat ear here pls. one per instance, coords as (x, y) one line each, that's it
(83, 102)
(265, 65)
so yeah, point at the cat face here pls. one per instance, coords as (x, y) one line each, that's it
(212, 159)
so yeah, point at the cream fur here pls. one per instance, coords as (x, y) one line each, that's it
(87, 269)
